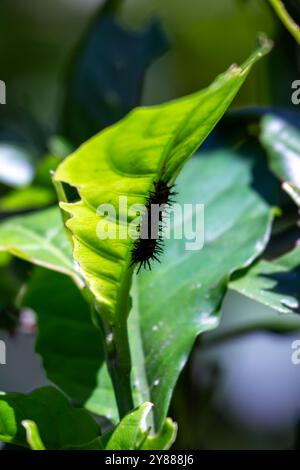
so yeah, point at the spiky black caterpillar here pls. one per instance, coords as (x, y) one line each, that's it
(149, 246)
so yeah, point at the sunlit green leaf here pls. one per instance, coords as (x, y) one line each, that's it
(172, 304)
(40, 239)
(273, 283)
(282, 143)
(181, 298)
(149, 144)
(132, 433)
(32, 435)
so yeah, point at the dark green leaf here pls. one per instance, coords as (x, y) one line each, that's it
(172, 304)
(58, 423)
(107, 78)
(9, 289)
(68, 342)
(148, 145)
(178, 300)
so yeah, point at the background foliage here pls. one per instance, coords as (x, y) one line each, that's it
(246, 174)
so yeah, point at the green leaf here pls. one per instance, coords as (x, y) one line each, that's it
(33, 435)
(59, 425)
(106, 79)
(128, 434)
(40, 239)
(150, 144)
(59, 148)
(250, 319)
(163, 439)
(68, 342)
(5, 259)
(132, 433)
(282, 144)
(275, 284)
(171, 305)
(31, 197)
(45, 168)
(292, 191)
(44, 419)
(175, 302)
(9, 289)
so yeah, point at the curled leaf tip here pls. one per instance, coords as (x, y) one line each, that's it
(264, 43)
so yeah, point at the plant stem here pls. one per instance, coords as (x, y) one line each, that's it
(115, 338)
(116, 346)
(115, 341)
(286, 19)
(61, 195)
(117, 352)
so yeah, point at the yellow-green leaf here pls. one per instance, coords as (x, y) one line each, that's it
(33, 436)
(150, 144)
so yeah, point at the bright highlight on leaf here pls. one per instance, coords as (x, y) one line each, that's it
(149, 145)
(133, 434)
(274, 284)
(282, 144)
(293, 191)
(40, 239)
(33, 435)
(237, 225)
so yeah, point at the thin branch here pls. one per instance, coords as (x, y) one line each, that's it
(286, 19)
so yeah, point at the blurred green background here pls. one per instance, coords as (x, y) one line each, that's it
(38, 38)
(235, 400)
